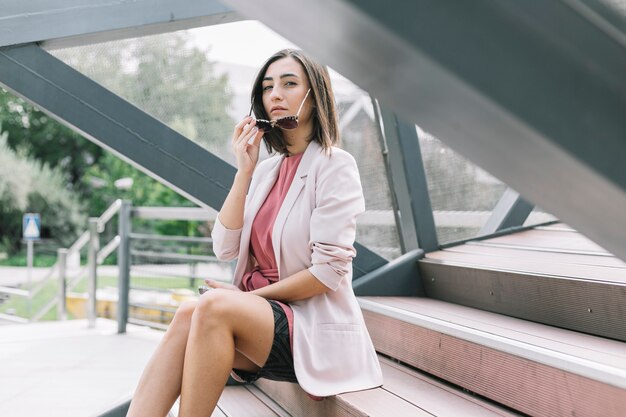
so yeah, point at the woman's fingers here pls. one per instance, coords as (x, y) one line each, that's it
(239, 126)
(223, 285)
(256, 139)
(247, 132)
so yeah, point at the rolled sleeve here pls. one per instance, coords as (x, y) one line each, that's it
(339, 200)
(225, 241)
(331, 264)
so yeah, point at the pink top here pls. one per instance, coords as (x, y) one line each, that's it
(266, 270)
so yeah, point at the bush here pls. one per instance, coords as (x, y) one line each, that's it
(28, 186)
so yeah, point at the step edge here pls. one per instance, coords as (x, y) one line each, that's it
(578, 366)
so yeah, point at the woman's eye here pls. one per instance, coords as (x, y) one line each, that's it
(267, 87)
(290, 83)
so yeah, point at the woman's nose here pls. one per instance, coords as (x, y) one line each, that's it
(275, 94)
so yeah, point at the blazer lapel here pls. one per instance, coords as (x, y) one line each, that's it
(295, 188)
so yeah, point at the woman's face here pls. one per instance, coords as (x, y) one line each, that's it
(285, 85)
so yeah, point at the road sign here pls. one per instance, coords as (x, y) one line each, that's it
(31, 226)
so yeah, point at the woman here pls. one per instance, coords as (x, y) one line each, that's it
(290, 313)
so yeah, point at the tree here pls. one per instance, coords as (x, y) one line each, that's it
(34, 133)
(27, 185)
(165, 76)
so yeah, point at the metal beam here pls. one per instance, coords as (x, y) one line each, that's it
(417, 224)
(365, 261)
(64, 23)
(511, 211)
(399, 277)
(115, 124)
(537, 104)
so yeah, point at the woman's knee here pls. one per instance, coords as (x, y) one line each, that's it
(214, 307)
(183, 316)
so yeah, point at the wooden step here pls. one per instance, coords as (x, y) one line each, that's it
(583, 298)
(529, 367)
(405, 393)
(242, 401)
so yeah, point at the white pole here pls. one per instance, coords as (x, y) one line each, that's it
(29, 264)
(92, 261)
(62, 262)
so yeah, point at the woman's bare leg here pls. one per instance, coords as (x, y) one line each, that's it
(161, 381)
(222, 320)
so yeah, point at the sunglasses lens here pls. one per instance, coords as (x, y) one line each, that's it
(264, 125)
(290, 122)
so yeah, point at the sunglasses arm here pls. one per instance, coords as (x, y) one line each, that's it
(303, 100)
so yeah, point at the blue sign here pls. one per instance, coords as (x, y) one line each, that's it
(31, 226)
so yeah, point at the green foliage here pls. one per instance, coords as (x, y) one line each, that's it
(33, 133)
(145, 191)
(27, 185)
(39, 260)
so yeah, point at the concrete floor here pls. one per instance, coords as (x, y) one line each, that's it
(65, 369)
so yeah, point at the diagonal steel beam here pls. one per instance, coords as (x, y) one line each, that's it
(416, 221)
(64, 23)
(531, 91)
(108, 120)
(511, 211)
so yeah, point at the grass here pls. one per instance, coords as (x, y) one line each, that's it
(39, 260)
(21, 305)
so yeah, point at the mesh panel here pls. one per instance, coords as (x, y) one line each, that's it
(167, 77)
(359, 133)
(539, 216)
(462, 195)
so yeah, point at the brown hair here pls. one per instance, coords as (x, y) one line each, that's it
(324, 114)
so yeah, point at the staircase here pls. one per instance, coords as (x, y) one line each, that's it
(469, 349)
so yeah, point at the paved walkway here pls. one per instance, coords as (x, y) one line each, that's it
(13, 275)
(64, 369)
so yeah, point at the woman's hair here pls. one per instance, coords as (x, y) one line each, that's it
(324, 113)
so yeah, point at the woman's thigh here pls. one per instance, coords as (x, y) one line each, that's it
(250, 318)
(242, 362)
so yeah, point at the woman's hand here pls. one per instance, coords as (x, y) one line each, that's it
(223, 285)
(246, 143)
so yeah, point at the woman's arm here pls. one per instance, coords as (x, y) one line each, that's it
(245, 143)
(231, 213)
(299, 286)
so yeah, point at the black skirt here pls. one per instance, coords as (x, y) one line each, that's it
(279, 365)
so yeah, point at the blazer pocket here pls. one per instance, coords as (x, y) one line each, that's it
(340, 327)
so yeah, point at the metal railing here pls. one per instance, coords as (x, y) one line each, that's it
(65, 281)
(129, 239)
(121, 244)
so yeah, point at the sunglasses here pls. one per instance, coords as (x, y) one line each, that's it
(287, 122)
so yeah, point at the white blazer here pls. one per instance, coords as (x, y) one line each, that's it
(315, 229)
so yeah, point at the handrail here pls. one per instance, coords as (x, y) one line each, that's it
(169, 238)
(108, 249)
(44, 281)
(14, 291)
(174, 213)
(169, 213)
(78, 244)
(108, 214)
(170, 255)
